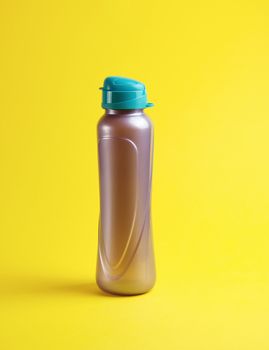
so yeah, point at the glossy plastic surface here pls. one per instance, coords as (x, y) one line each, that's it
(125, 251)
(123, 93)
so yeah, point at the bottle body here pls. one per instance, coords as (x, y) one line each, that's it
(125, 263)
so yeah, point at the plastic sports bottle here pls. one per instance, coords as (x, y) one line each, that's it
(125, 263)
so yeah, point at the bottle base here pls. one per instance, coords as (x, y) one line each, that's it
(124, 290)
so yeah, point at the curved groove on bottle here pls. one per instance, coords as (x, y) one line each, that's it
(103, 255)
(116, 271)
(121, 273)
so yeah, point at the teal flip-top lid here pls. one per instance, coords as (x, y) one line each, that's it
(124, 93)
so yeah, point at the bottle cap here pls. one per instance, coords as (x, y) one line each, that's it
(124, 93)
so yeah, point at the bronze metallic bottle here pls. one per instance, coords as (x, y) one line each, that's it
(125, 263)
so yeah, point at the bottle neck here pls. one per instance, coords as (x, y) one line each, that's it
(123, 111)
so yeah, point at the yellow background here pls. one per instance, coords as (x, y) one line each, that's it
(206, 68)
